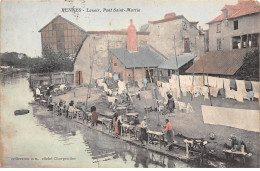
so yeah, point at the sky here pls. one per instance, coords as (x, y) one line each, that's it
(21, 20)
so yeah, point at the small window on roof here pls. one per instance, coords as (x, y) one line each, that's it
(225, 13)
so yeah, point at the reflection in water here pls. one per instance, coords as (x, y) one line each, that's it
(50, 138)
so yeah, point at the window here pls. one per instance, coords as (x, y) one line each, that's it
(115, 64)
(186, 45)
(218, 44)
(169, 72)
(218, 28)
(185, 26)
(236, 25)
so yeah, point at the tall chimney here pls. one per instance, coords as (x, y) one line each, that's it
(131, 37)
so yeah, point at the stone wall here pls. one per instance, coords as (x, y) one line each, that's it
(161, 37)
(96, 47)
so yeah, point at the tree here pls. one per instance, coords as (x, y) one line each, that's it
(250, 67)
(51, 62)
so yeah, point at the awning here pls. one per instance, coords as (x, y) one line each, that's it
(172, 64)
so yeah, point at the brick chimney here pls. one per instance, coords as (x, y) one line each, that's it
(131, 37)
(170, 15)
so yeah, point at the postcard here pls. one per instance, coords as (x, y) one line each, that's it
(129, 84)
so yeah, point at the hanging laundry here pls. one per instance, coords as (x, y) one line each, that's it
(251, 96)
(182, 80)
(211, 91)
(201, 80)
(222, 92)
(248, 85)
(215, 92)
(238, 118)
(197, 91)
(182, 106)
(159, 83)
(191, 89)
(188, 80)
(240, 85)
(241, 88)
(226, 84)
(230, 94)
(256, 90)
(205, 92)
(206, 80)
(174, 77)
(219, 83)
(212, 81)
(189, 108)
(233, 85)
(239, 96)
(196, 81)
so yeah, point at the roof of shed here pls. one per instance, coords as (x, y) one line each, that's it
(171, 63)
(144, 57)
(220, 62)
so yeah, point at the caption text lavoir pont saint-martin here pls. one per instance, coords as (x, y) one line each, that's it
(100, 10)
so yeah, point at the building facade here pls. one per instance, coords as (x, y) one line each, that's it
(188, 38)
(237, 27)
(61, 35)
(94, 53)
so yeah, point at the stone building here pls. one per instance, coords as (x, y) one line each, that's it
(95, 52)
(236, 27)
(188, 38)
(61, 35)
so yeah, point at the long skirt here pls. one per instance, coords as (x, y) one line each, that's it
(143, 135)
(116, 127)
(169, 137)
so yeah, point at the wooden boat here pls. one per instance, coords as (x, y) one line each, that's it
(21, 112)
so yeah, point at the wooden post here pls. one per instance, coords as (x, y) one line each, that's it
(177, 68)
(247, 41)
(187, 150)
(148, 139)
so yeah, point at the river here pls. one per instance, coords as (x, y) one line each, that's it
(45, 140)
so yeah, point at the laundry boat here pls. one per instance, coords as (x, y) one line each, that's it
(21, 112)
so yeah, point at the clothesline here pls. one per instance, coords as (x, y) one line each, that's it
(198, 86)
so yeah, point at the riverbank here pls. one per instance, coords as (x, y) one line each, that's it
(187, 124)
(41, 134)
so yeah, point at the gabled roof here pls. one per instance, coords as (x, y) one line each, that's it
(59, 16)
(144, 57)
(240, 9)
(166, 19)
(80, 46)
(144, 27)
(220, 62)
(172, 64)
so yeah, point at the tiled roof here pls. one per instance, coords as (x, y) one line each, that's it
(144, 57)
(172, 64)
(220, 62)
(240, 9)
(166, 19)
